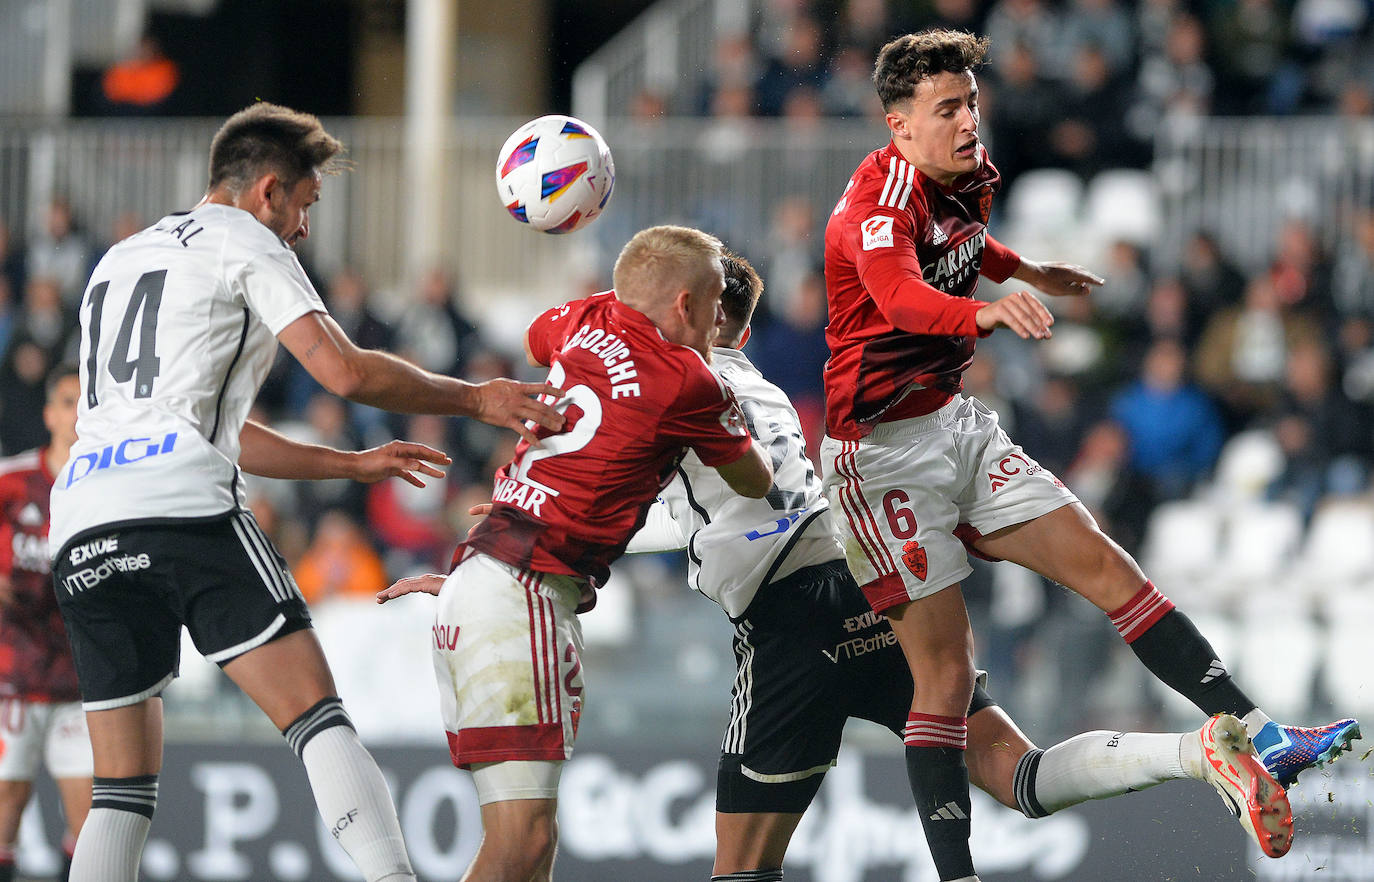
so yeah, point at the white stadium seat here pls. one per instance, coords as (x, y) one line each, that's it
(1180, 552)
(1340, 544)
(1122, 204)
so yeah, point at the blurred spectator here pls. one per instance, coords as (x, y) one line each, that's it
(1102, 25)
(1052, 423)
(1174, 86)
(8, 312)
(849, 89)
(339, 563)
(1173, 429)
(1153, 18)
(863, 26)
(1211, 279)
(326, 422)
(1243, 352)
(1123, 297)
(1086, 136)
(791, 253)
(1022, 110)
(1251, 48)
(1101, 476)
(143, 83)
(432, 332)
(1024, 23)
(125, 225)
(11, 259)
(472, 444)
(62, 251)
(1325, 437)
(23, 375)
(791, 351)
(412, 522)
(736, 66)
(1352, 286)
(45, 320)
(800, 64)
(1301, 271)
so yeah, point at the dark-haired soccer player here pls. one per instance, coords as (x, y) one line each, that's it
(40, 707)
(918, 471)
(810, 653)
(179, 326)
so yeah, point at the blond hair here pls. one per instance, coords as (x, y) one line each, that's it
(660, 261)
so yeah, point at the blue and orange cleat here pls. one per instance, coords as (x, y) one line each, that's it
(1287, 751)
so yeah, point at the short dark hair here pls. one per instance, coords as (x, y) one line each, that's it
(742, 289)
(270, 138)
(59, 373)
(910, 58)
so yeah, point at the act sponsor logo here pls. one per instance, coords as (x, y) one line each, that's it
(877, 232)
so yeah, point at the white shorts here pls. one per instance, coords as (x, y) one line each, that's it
(56, 734)
(915, 491)
(507, 649)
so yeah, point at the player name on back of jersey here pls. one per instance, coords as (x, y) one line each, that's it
(614, 353)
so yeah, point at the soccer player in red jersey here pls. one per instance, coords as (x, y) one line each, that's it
(507, 643)
(40, 705)
(918, 471)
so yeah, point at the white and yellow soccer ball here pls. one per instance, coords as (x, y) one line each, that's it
(555, 173)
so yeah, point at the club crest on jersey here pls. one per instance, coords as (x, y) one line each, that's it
(877, 232)
(914, 556)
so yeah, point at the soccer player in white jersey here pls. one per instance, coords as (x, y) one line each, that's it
(150, 529)
(811, 653)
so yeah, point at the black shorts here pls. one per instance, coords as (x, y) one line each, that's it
(125, 594)
(810, 654)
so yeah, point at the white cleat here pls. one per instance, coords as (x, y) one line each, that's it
(1229, 764)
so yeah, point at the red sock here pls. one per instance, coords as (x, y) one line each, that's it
(1138, 615)
(931, 730)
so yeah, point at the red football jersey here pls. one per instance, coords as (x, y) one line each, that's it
(902, 259)
(634, 404)
(35, 657)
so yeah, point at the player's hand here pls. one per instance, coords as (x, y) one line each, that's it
(398, 459)
(508, 404)
(480, 510)
(1019, 311)
(429, 583)
(1059, 279)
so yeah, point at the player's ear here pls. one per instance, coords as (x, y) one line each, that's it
(897, 123)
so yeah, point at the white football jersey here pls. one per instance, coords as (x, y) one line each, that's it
(736, 544)
(178, 332)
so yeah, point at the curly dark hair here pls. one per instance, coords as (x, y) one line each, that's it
(910, 58)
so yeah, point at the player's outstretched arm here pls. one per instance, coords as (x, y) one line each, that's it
(428, 583)
(1057, 279)
(270, 454)
(380, 379)
(750, 475)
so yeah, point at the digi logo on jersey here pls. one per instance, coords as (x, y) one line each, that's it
(128, 451)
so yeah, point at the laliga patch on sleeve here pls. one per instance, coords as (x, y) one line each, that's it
(877, 232)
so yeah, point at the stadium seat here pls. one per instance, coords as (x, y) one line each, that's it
(1045, 195)
(1348, 654)
(1280, 653)
(1340, 544)
(1180, 552)
(1248, 463)
(1261, 540)
(1122, 204)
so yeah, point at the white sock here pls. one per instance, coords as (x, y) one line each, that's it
(1097, 765)
(355, 804)
(110, 846)
(1254, 721)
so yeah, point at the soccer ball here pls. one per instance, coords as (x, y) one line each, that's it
(555, 173)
